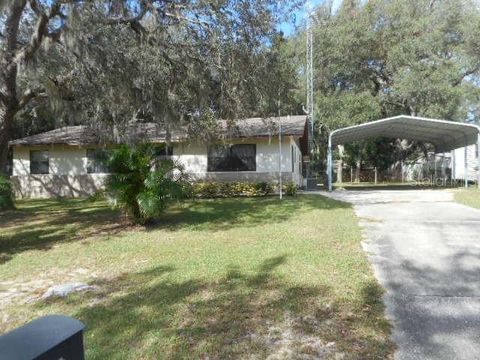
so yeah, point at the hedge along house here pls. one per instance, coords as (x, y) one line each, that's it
(64, 162)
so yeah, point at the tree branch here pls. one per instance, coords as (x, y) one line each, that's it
(41, 29)
(469, 72)
(21, 43)
(3, 98)
(29, 95)
(133, 21)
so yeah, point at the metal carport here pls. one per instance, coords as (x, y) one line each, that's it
(444, 135)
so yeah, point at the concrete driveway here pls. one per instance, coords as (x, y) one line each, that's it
(425, 249)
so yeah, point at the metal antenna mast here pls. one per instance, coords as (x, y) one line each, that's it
(310, 89)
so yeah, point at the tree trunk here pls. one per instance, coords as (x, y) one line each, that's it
(357, 170)
(9, 104)
(6, 119)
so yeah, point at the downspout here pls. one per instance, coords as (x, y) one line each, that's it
(454, 170)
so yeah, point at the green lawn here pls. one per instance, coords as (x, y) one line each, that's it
(229, 278)
(469, 197)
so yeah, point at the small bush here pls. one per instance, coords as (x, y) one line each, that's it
(141, 184)
(264, 188)
(98, 195)
(208, 190)
(6, 194)
(290, 189)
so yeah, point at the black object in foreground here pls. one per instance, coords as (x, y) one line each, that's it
(50, 337)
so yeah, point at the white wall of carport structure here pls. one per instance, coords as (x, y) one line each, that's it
(459, 163)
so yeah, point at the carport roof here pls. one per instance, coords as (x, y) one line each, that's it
(444, 135)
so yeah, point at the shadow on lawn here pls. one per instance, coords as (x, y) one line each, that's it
(41, 224)
(222, 214)
(243, 314)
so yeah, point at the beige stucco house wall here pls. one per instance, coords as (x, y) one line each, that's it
(194, 158)
(68, 176)
(67, 148)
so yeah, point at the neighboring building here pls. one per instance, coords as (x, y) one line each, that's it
(458, 157)
(62, 162)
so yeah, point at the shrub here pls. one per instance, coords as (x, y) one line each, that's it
(231, 189)
(98, 195)
(142, 185)
(290, 189)
(264, 188)
(6, 194)
(207, 189)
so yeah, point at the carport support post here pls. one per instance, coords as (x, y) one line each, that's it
(465, 162)
(403, 172)
(453, 164)
(329, 163)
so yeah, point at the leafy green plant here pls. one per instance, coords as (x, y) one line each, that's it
(290, 189)
(264, 188)
(232, 189)
(141, 184)
(6, 194)
(207, 189)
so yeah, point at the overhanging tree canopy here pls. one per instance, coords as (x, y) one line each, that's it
(444, 135)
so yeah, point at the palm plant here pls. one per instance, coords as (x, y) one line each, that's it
(141, 184)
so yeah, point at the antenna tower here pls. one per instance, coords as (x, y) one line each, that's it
(310, 89)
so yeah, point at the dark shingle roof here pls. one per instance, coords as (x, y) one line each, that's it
(152, 132)
(260, 127)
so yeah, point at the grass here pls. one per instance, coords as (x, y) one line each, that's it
(229, 278)
(469, 197)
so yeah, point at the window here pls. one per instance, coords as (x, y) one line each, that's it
(163, 150)
(232, 158)
(97, 161)
(39, 162)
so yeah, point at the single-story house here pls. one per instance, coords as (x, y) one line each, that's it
(62, 162)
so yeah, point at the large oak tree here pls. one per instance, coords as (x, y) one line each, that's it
(381, 58)
(178, 62)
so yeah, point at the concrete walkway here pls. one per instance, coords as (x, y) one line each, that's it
(425, 249)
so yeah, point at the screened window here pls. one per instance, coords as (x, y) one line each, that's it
(241, 157)
(163, 150)
(97, 161)
(39, 162)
